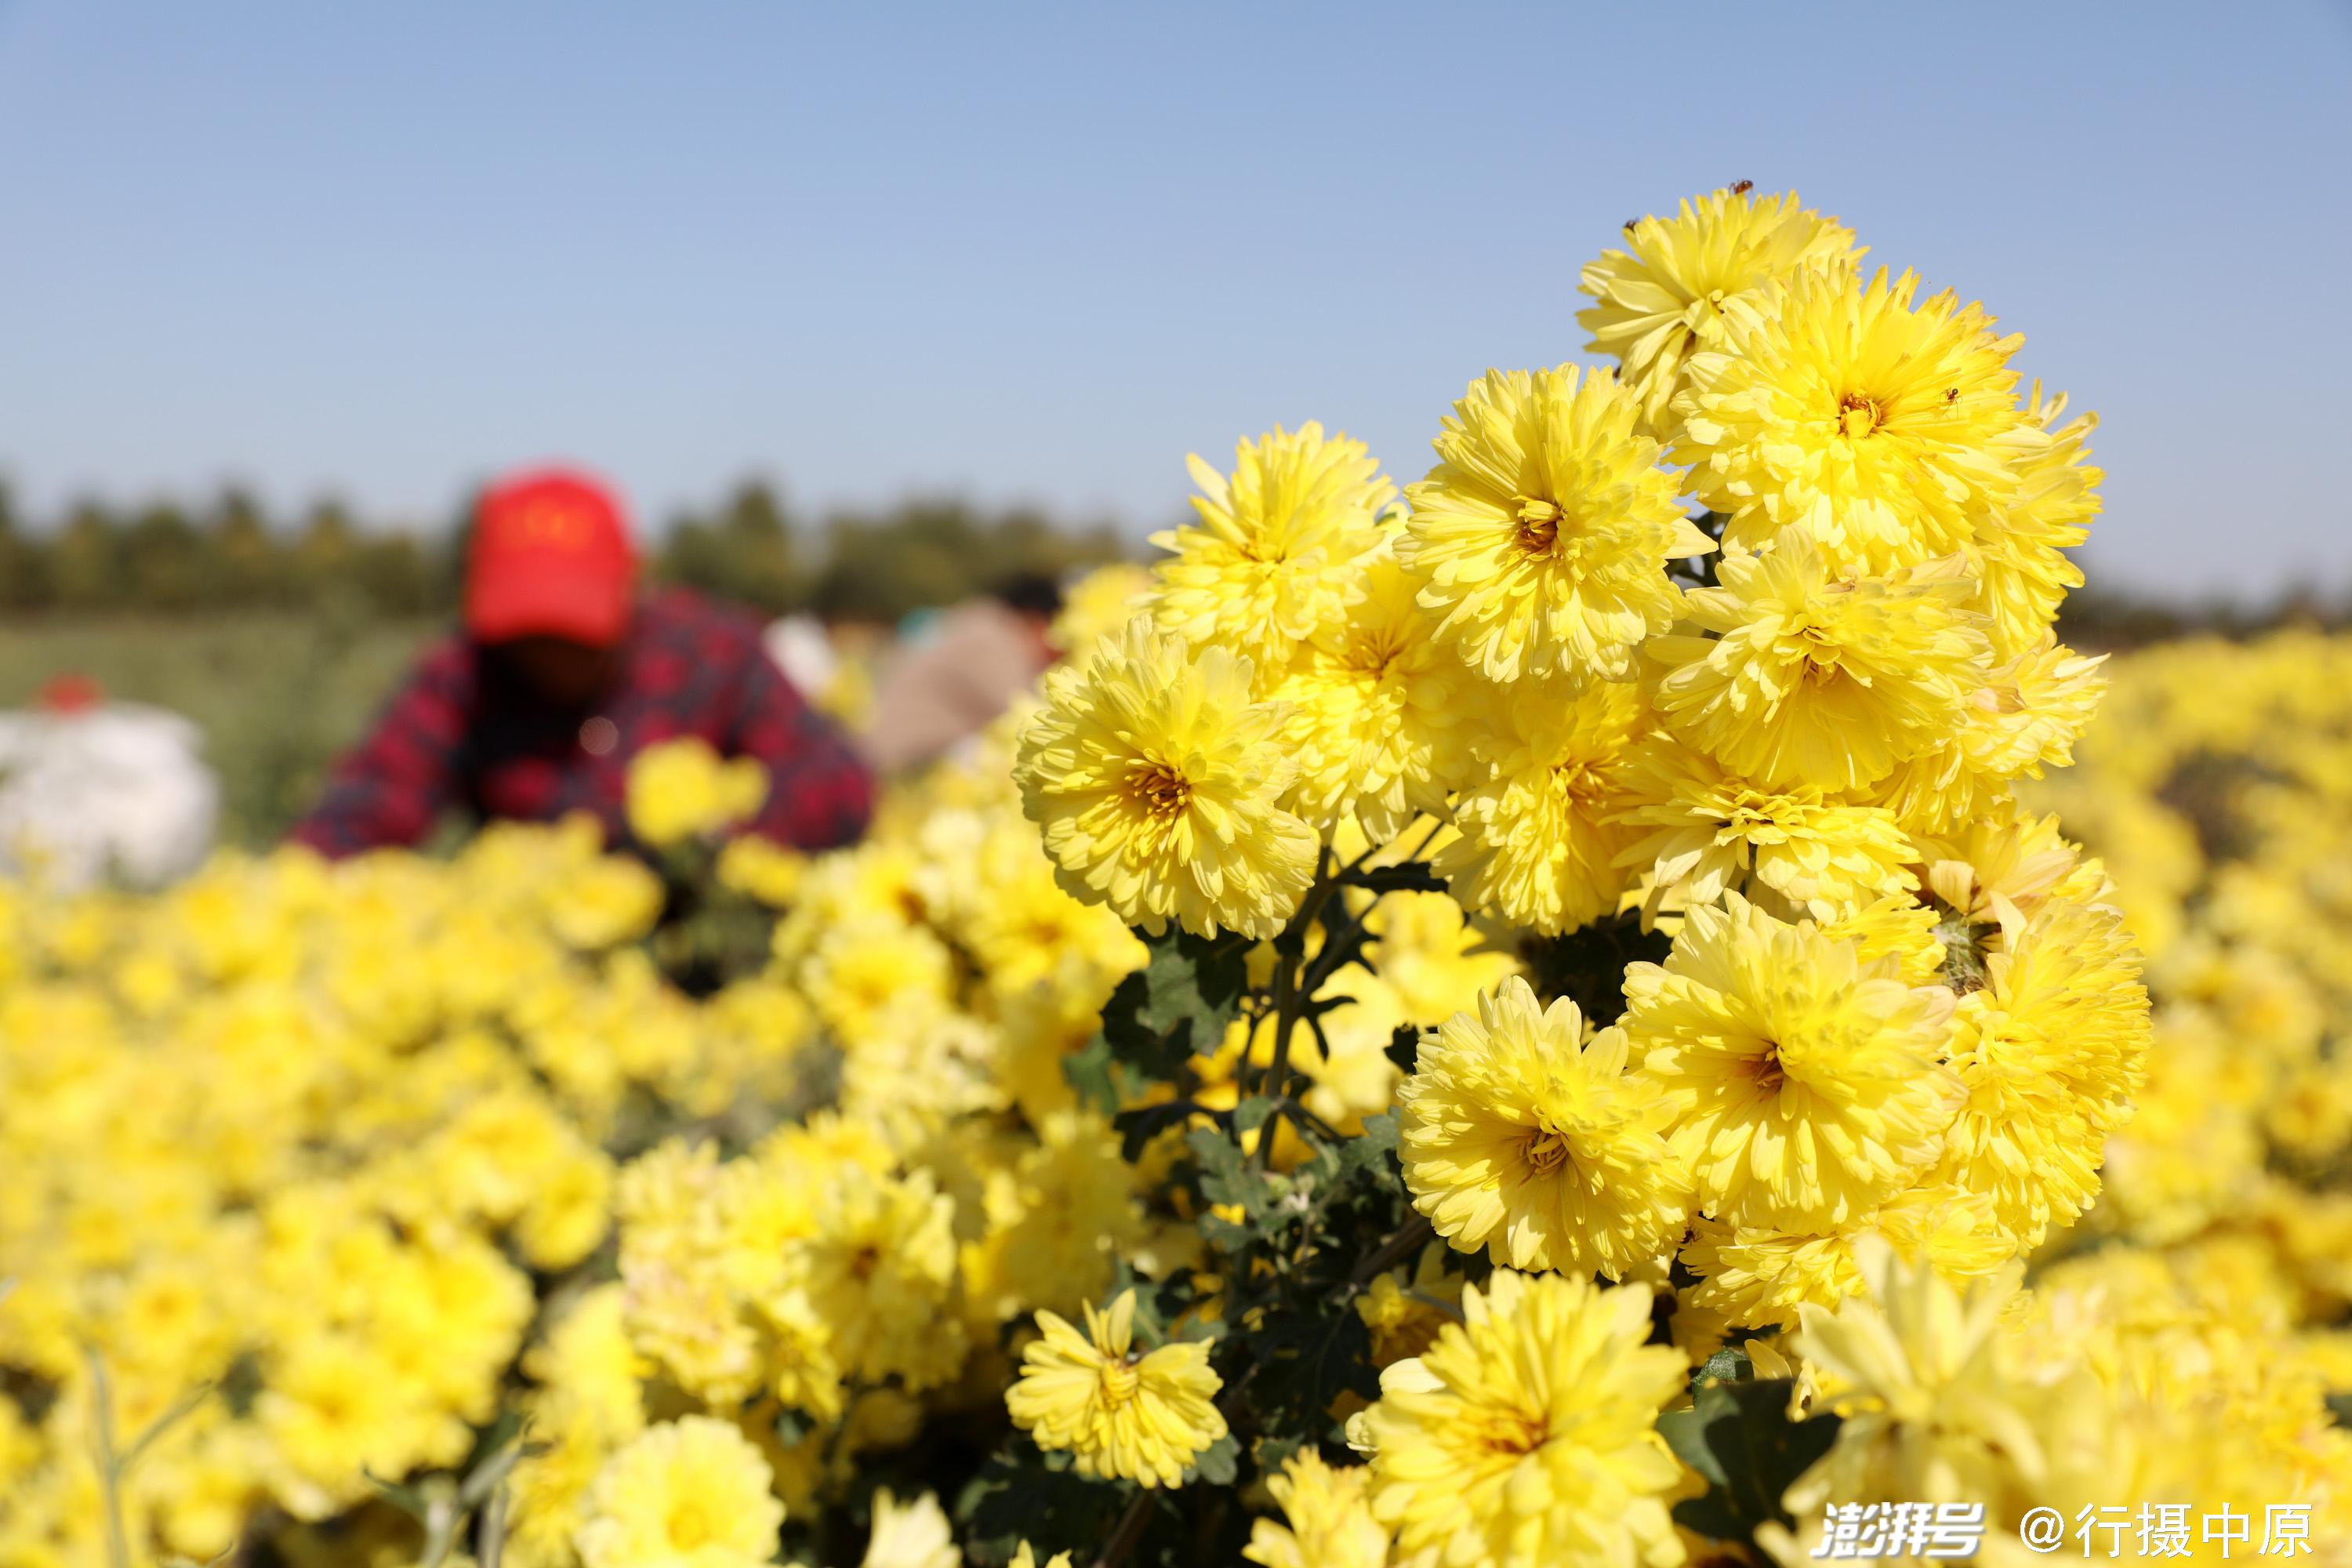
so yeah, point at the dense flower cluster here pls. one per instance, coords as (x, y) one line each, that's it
(1896, 1002)
(2216, 786)
(1449, 987)
(340, 1150)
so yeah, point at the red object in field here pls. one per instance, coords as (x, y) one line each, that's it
(551, 557)
(72, 692)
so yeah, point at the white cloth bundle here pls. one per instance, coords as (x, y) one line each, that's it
(119, 792)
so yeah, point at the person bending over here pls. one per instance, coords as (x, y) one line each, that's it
(560, 672)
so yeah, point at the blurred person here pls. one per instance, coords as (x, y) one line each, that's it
(93, 790)
(562, 672)
(964, 669)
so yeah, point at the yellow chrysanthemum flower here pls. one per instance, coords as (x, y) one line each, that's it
(880, 1271)
(1807, 1085)
(1668, 297)
(1433, 958)
(1026, 1557)
(761, 869)
(1098, 608)
(1932, 1411)
(2050, 1050)
(1374, 704)
(1881, 427)
(1543, 533)
(1405, 1312)
(1708, 829)
(1749, 1278)
(682, 789)
(1901, 929)
(1520, 1136)
(2025, 717)
(2021, 547)
(1816, 676)
(1143, 1418)
(1330, 1523)
(911, 1535)
(1540, 836)
(690, 1492)
(1272, 555)
(1154, 774)
(1526, 1438)
(1755, 1277)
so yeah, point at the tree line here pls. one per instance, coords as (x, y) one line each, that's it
(169, 558)
(229, 554)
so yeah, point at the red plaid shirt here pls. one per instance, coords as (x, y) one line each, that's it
(464, 734)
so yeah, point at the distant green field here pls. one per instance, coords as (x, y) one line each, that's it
(278, 693)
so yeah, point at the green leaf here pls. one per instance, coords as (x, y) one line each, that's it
(1225, 1175)
(1686, 1433)
(1016, 1496)
(1222, 1234)
(1739, 1439)
(1272, 1453)
(1139, 1126)
(1250, 1113)
(1219, 1463)
(1089, 1072)
(1378, 1138)
(1307, 1359)
(1726, 1365)
(1178, 1003)
(2340, 1406)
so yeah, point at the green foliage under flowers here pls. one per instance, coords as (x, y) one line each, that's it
(1291, 1250)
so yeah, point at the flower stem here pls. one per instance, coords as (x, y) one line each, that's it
(110, 1465)
(1410, 1240)
(1129, 1531)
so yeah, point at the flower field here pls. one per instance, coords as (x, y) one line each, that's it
(1596, 1009)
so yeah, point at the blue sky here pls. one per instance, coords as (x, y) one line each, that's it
(1038, 253)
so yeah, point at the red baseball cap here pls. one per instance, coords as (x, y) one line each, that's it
(551, 557)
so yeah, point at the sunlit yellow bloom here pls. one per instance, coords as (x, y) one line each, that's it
(681, 789)
(1807, 1085)
(690, 1492)
(1405, 1311)
(1881, 425)
(1541, 537)
(2027, 716)
(1520, 1136)
(1140, 1418)
(911, 1535)
(1540, 836)
(2050, 1050)
(1668, 295)
(1432, 957)
(1707, 829)
(761, 868)
(1097, 607)
(1327, 1523)
(2021, 547)
(1375, 711)
(1273, 553)
(1818, 677)
(1525, 1436)
(1154, 774)
(1756, 1278)
(1931, 1410)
